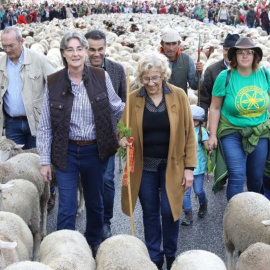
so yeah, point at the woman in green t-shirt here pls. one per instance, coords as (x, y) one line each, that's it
(239, 118)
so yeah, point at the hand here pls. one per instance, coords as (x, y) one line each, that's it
(187, 179)
(46, 173)
(199, 66)
(212, 142)
(124, 143)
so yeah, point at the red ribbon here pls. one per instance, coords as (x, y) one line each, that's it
(131, 163)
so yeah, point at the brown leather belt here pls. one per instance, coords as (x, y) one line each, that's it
(83, 143)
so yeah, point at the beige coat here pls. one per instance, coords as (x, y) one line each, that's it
(182, 147)
(34, 71)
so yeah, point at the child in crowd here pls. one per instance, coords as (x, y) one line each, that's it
(199, 171)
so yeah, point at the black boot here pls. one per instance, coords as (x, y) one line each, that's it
(188, 218)
(202, 210)
(169, 262)
(159, 264)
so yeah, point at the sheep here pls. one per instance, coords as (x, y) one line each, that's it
(123, 252)
(256, 256)
(243, 223)
(198, 260)
(27, 265)
(66, 250)
(26, 166)
(16, 234)
(26, 205)
(9, 149)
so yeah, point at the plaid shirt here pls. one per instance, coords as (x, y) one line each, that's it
(82, 125)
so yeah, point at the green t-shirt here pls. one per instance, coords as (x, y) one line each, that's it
(246, 99)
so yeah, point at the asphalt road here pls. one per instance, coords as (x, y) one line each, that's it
(203, 234)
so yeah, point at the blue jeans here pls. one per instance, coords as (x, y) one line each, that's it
(154, 201)
(83, 160)
(18, 131)
(198, 190)
(266, 187)
(109, 190)
(242, 166)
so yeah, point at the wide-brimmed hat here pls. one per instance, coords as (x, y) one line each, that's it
(244, 43)
(230, 40)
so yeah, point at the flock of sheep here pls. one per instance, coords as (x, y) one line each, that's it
(24, 195)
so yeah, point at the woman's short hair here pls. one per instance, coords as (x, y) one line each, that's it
(153, 60)
(67, 37)
(255, 63)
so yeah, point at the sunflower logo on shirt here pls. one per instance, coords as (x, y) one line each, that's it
(251, 101)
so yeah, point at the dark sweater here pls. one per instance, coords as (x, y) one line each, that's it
(156, 134)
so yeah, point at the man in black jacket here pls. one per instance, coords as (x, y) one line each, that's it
(213, 71)
(96, 55)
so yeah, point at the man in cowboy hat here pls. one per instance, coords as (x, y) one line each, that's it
(212, 72)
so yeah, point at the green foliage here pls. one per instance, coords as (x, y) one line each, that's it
(125, 132)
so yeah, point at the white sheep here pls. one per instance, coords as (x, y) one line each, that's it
(66, 250)
(26, 166)
(242, 223)
(21, 197)
(27, 265)
(256, 256)
(14, 231)
(9, 149)
(198, 260)
(123, 252)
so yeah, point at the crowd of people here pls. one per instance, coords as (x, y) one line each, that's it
(73, 114)
(232, 13)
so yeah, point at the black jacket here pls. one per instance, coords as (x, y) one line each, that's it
(210, 76)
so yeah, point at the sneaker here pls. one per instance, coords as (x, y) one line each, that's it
(51, 202)
(202, 210)
(188, 218)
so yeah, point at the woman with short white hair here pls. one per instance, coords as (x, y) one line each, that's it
(165, 155)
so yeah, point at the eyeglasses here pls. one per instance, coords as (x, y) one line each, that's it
(11, 46)
(148, 79)
(72, 51)
(243, 52)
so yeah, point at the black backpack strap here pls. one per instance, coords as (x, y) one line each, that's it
(228, 77)
(266, 76)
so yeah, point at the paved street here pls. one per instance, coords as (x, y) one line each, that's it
(203, 234)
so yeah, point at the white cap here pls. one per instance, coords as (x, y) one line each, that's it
(170, 35)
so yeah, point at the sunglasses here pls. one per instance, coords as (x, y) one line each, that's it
(243, 52)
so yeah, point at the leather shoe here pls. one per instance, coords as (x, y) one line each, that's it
(94, 250)
(106, 232)
(51, 202)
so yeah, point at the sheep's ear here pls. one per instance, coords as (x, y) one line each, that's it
(266, 222)
(7, 245)
(18, 146)
(5, 186)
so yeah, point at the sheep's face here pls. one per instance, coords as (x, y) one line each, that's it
(8, 150)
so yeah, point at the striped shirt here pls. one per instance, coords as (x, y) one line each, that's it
(82, 125)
